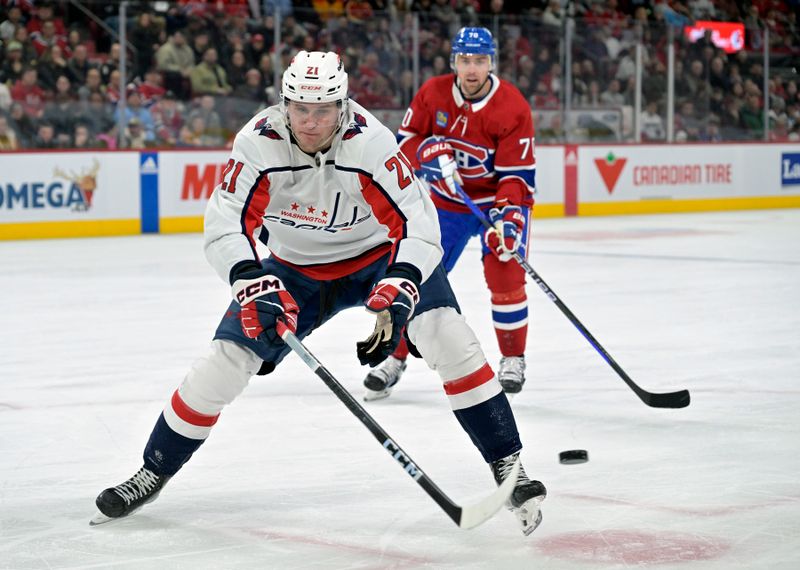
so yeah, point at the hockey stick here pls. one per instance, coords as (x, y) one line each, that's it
(468, 516)
(679, 399)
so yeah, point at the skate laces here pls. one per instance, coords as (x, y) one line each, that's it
(137, 486)
(503, 467)
(390, 371)
(513, 366)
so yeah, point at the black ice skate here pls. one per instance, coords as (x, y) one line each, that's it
(527, 497)
(380, 381)
(128, 497)
(512, 374)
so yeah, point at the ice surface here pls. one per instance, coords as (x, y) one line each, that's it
(97, 333)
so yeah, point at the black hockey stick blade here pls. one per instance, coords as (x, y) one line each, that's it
(466, 516)
(678, 399)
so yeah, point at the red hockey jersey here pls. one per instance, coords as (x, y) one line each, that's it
(493, 140)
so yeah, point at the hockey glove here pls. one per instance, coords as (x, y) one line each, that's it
(505, 236)
(264, 300)
(436, 159)
(392, 300)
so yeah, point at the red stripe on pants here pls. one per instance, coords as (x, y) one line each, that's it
(467, 383)
(188, 415)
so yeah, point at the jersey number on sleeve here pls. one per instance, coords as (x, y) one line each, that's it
(396, 163)
(236, 167)
(527, 146)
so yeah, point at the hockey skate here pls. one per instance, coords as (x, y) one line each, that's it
(512, 374)
(527, 497)
(128, 497)
(380, 381)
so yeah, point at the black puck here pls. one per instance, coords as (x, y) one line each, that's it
(573, 456)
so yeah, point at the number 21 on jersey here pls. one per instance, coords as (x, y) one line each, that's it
(396, 163)
(233, 168)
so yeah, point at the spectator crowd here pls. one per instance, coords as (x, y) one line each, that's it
(197, 69)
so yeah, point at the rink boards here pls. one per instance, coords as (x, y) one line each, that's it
(74, 194)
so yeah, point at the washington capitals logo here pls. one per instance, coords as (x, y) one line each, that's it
(266, 130)
(355, 127)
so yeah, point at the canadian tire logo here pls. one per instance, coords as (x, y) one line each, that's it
(610, 168)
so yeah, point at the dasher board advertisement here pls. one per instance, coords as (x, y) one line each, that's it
(64, 194)
(661, 178)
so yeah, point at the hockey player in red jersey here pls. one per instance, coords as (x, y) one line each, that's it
(322, 183)
(476, 128)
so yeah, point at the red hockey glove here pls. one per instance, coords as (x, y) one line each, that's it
(264, 300)
(393, 300)
(505, 237)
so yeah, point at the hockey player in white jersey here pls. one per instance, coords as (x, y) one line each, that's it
(323, 184)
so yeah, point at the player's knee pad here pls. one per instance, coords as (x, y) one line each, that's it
(213, 382)
(446, 342)
(503, 277)
(450, 347)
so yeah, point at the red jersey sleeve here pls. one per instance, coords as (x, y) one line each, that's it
(515, 158)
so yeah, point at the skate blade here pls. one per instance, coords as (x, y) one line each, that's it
(530, 515)
(511, 389)
(99, 519)
(372, 395)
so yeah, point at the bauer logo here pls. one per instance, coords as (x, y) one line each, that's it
(790, 169)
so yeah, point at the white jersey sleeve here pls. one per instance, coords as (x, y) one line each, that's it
(229, 225)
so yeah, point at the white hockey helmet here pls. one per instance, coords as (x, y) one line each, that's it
(315, 77)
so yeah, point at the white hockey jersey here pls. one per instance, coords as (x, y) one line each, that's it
(327, 215)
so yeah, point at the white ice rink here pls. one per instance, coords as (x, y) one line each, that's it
(97, 334)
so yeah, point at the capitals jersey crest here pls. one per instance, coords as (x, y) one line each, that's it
(492, 139)
(265, 130)
(355, 127)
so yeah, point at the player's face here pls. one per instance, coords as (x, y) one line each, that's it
(313, 124)
(473, 73)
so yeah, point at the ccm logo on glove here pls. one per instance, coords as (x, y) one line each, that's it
(268, 284)
(264, 300)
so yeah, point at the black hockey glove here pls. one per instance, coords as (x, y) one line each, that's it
(264, 300)
(393, 300)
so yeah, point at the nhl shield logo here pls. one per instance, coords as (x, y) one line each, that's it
(441, 118)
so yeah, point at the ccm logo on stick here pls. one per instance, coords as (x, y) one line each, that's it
(403, 459)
